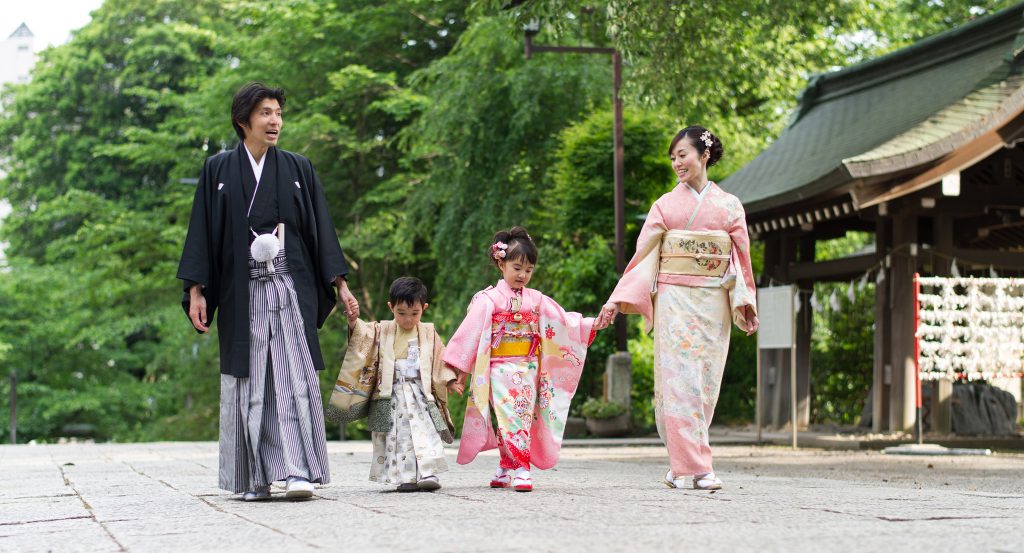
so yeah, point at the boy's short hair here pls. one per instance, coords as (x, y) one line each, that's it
(407, 290)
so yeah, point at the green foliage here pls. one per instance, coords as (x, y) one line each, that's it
(595, 408)
(842, 343)
(429, 132)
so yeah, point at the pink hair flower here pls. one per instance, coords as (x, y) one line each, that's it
(498, 250)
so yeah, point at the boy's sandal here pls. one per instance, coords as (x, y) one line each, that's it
(707, 482)
(408, 487)
(429, 484)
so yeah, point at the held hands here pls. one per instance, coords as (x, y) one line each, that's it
(458, 385)
(197, 308)
(606, 316)
(348, 301)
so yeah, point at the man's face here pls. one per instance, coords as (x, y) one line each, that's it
(264, 123)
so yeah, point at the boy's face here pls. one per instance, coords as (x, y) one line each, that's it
(408, 316)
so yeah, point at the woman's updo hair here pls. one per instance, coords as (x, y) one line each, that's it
(518, 246)
(695, 134)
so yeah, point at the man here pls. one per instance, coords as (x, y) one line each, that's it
(273, 293)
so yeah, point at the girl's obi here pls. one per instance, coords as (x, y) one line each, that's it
(703, 253)
(515, 334)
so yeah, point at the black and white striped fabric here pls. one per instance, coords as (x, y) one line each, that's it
(272, 423)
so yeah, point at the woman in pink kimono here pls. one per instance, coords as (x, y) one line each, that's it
(689, 279)
(524, 355)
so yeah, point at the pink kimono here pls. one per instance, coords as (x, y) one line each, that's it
(690, 277)
(525, 355)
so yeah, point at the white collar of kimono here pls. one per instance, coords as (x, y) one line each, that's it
(504, 287)
(696, 194)
(257, 166)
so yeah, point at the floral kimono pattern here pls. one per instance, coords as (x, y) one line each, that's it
(525, 355)
(689, 313)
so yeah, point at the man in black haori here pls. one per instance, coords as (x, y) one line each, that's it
(261, 247)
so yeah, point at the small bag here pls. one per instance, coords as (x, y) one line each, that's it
(357, 379)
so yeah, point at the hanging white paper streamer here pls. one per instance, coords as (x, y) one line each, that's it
(851, 294)
(833, 302)
(992, 272)
(863, 281)
(815, 305)
(971, 328)
(953, 270)
(880, 277)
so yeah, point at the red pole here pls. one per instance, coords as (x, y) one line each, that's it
(917, 356)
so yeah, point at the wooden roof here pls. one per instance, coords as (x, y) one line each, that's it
(900, 113)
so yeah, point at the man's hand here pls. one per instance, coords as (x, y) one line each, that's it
(197, 308)
(347, 300)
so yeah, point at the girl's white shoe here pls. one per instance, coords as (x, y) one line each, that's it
(501, 478)
(707, 482)
(522, 481)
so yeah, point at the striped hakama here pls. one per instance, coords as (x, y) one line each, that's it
(272, 423)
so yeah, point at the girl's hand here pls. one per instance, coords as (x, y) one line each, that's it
(456, 387)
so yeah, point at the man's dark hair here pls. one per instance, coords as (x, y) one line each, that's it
(407, 290)
(246, 100)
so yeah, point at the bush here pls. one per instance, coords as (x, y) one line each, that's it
(595, 408)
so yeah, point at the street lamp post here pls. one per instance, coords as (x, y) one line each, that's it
(529, 49)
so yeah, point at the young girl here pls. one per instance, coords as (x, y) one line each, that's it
(525, 355)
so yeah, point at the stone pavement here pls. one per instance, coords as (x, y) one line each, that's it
(163, 497)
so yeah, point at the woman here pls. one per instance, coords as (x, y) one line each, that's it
(690, 276)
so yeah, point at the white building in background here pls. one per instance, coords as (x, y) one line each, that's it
(16, 60)
(17, 56)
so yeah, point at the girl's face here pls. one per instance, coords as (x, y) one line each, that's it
(516, 272)
(689, 166)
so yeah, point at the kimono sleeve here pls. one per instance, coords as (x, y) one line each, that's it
(743, 292)
(330, 258)
(463, 347)
(196, 265)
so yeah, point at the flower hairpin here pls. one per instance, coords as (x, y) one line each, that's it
(498, 250)
(705, 137)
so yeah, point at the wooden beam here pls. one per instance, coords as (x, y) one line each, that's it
(834, 270)
(998, 259)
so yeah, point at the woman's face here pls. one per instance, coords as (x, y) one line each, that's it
(689, 165)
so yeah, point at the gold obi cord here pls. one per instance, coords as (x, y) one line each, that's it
(514, 335)
(696, 253)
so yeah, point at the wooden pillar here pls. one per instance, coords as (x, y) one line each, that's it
(779, 360)
(902, 414)
(770, 363)
(804, 331)
(942, 390)
(880, 382)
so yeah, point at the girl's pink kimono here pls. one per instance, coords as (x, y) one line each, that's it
(690, 278)
(525, 355)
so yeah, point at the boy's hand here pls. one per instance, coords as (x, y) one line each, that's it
(456, 387)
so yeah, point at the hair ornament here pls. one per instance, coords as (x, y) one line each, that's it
(705, 137)
(498, 250)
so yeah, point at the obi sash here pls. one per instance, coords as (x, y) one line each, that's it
(695, 253)
(514, 334)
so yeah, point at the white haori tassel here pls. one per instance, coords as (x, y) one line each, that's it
(265, 248)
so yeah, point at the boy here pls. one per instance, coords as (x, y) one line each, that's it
(408, 415)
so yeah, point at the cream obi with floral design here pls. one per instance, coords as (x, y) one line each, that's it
(695, 253)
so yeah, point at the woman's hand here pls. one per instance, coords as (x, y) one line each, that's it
(751, 319)
(606, 316)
